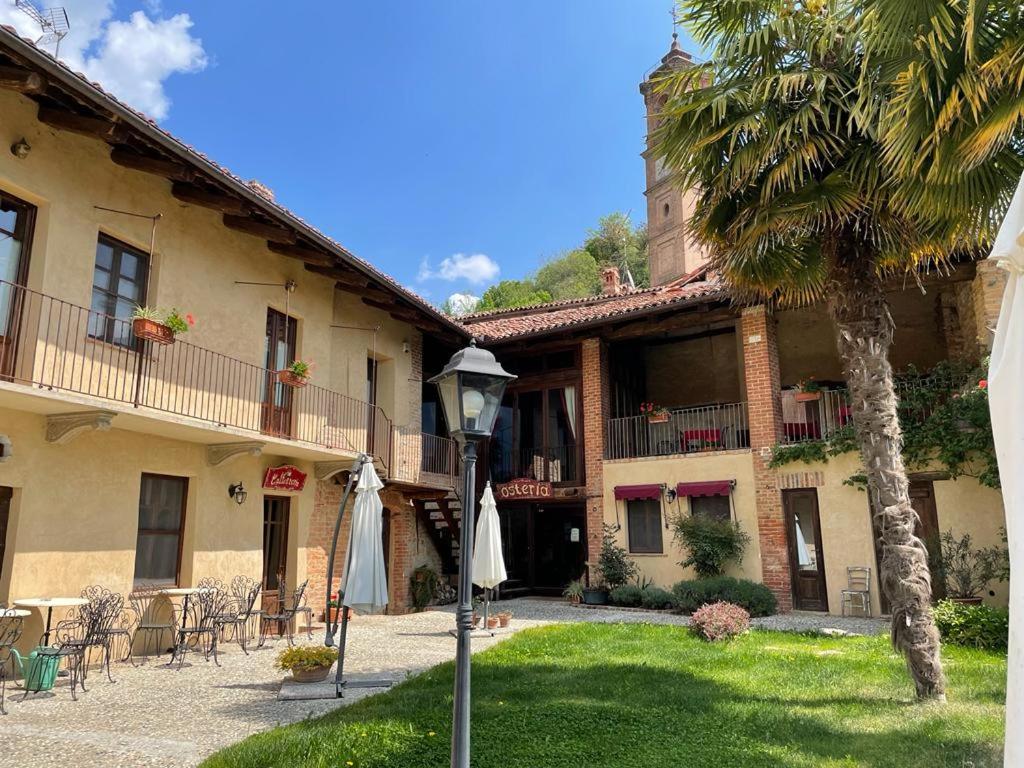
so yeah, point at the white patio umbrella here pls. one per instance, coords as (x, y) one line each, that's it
(1006, 403)
(488, 563)
(365, 581)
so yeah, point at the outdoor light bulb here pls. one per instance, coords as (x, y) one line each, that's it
(472, 403)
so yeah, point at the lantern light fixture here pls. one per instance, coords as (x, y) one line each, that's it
(471, 388)
(237, 492)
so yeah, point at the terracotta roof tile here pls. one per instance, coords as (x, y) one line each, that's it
(502, 325)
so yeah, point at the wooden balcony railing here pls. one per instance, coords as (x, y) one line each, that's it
(58, 346)
(685, 430)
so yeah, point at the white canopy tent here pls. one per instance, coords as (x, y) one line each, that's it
(1006, 403)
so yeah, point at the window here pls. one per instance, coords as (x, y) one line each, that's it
(118, 286)
(643, 521)
(161, 523)
(711, 507)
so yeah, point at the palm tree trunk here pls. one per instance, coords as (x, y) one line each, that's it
(865, 331)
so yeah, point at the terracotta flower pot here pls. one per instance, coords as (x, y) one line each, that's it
(807, 397)
(292, 379)
(504, 619)
(492, 622)
(334, 615)
(151, 330)
(657, 418)
(311, 674)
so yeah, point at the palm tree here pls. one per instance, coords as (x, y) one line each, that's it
(808, 190)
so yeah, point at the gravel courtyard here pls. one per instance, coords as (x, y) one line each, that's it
(154, 716)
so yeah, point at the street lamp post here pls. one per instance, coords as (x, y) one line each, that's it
(471, 388)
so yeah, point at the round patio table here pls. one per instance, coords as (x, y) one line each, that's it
(14, 613)
(49, 603)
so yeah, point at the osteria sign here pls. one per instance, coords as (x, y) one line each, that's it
(523, 488)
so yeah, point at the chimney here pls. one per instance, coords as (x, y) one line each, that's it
(610, 285)
(261, 189)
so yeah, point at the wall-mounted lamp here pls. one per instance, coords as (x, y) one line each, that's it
(290, 286)
(20, 149)
(237, 492)
(405, 347)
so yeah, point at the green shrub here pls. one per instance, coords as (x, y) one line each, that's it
(304, 657)
(757, 599)
(979, 626)
(719, 621)
(628, 595)
(657, 598)
(710, 544)
(613, 564)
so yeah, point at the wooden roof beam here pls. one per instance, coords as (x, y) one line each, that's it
(302, 253)
(169, 169)
(255, 228)
(21, 80)
(94, 127)
(192, 195)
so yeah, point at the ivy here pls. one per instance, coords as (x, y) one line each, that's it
(945, 419)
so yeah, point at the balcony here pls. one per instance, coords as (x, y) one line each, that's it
(425, 460)
(557, 464)
(84, 356)
(684, 430)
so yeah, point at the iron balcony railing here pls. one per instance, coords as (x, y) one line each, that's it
(682, 430)
(424, 459)
(556, 464)
(59, 346)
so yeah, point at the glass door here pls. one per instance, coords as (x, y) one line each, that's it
(275, 550)
(806, 561)
(279, 352)
(16, 221)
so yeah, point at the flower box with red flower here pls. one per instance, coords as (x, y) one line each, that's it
(160, 327)
(655, 414)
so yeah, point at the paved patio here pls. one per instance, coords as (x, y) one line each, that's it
(154, 716)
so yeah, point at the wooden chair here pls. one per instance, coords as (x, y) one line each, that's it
(858, 589)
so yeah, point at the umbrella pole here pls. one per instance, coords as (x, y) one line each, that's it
(353, 476)
(339, 683)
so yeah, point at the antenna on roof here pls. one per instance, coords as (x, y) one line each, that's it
(53, 22)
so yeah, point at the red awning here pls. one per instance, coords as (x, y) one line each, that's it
(634, 492)
(710, 488)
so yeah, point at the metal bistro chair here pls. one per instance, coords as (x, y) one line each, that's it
(284, 615)
(10, 632)
(241, 609)
(144, 601)
(858, 589)
(74, 639)
(115, 621)
(197, 625)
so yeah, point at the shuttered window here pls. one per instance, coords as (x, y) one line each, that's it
(643, 523)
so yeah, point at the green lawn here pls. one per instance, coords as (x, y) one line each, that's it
(633, 695)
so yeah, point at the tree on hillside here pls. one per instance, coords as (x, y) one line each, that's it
(571, 276)
(509, 294)
(617, 243)
(791, 133)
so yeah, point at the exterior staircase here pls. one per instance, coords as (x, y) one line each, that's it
(441, 518)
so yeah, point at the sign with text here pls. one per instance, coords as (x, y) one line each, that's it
(286, 478)
(523, 488)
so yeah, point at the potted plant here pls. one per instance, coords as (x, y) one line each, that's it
(614, 568)
(655, 414)
(492, 621)
(807, 390)
(307, 663)
(573, 591)
(504, 618)
(296, 374)
(966, 572)
(477, 602)
(160, 327)
(333, 605)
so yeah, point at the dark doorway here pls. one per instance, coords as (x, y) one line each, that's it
(279, 353)
(16, 223)
(385, 536)
(6, 494)
(371, 399)
(806, 560)
(275, 548)
(544, 547)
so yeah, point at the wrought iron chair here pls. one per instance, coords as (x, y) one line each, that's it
(10, 632)
(116, 620)
(284, 615)
(197, 623)
(74, 639)
(145, 602)
(306, 611)
(245, 591)
(858, 589)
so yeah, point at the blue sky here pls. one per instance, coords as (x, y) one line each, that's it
(410, 130)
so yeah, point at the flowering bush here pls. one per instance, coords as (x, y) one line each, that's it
(720, 621)
(303, 657)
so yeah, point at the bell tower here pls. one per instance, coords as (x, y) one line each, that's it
(671, 252)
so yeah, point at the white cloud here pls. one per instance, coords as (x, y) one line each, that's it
(462, 303)
(477, 268)
(130, 58)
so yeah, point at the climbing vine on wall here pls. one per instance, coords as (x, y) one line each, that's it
(945, 419)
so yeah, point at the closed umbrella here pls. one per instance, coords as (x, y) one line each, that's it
(488, 563)
(364, 581)
(1005, 379)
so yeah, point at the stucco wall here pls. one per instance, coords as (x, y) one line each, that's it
(74, 518)
(664, 569)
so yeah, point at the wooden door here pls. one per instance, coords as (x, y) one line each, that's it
(5, 518)
(279, 353)
(275, 549)
(806, 558)
(16, 223)
(922, 499)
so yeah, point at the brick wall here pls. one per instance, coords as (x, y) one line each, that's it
(761, 374)
(987, 291)
(595, 415)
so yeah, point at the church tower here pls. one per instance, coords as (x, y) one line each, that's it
(671, 252)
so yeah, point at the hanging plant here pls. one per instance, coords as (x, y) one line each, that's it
(160, 326)
(296, 374)
(807, 390)
(656, 414)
